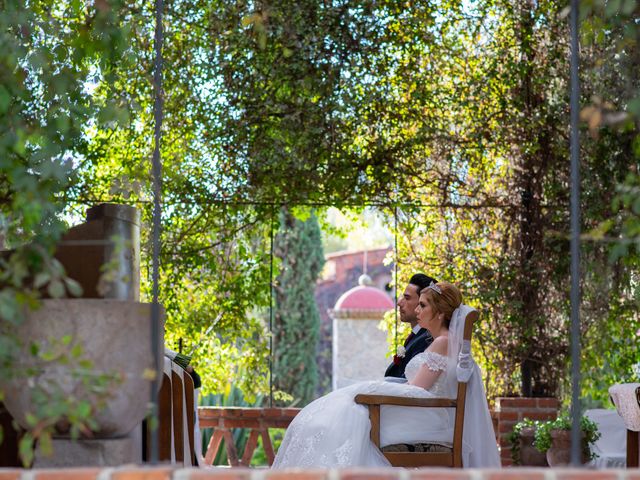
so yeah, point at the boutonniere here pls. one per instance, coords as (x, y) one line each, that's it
(400, 353)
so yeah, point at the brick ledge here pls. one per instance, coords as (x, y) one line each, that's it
(225, 473)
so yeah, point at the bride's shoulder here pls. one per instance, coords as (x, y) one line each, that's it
(438, 346)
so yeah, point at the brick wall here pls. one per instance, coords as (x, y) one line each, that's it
(167, 473)
(510, 411)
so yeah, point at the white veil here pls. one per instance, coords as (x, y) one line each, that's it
(478, 436)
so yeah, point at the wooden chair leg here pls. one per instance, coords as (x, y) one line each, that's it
(632, 449)
(374, 416)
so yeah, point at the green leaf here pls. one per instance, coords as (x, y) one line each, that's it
(41, 279)
(31, 419)
(76, 351)
(48, 355)
(75, 289)
(617, 251)
(56, 289)
(5, 99)
(84, 409)
(25, 449)
(84, 363)
(629, 6)
(634, 106)
(612, 8)
(44, 443)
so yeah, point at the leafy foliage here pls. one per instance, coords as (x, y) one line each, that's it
(296, 317)
(610, 39)
(453, 112)
(50, 54)
(589, 430)
(514, 437)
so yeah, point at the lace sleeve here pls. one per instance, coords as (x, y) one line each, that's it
(433, 361)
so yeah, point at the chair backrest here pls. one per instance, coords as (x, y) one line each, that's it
(470, 319)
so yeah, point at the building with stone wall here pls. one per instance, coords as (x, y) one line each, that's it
(341, 273)
(359, 345)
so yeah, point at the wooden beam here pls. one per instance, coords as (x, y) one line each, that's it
(250, 447)
(212, 448)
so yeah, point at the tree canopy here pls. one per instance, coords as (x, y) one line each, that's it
(450, 115)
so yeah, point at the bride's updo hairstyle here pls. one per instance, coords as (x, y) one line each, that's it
(444, 298)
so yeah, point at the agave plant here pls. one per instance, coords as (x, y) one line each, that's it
(233, 397)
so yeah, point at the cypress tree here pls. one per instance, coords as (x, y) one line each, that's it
(298, 245)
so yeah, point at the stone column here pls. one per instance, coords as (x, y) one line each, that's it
(359, 346)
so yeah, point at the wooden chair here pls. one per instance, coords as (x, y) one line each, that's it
(176, 418)
(450, 457)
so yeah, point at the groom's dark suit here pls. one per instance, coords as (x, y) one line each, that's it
(416, 345)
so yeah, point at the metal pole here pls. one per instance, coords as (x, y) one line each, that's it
(157, 213)
(271, 308)
(395, 274)
(576, 446)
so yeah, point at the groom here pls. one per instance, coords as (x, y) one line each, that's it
(419, 338)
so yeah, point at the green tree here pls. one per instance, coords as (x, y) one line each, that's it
(454, 111)
(298, 247)
(610, 40)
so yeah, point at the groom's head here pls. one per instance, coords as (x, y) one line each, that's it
(409, 300)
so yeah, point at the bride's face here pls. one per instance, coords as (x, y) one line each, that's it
(427, 316)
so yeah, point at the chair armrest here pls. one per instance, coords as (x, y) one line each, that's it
(364, 399)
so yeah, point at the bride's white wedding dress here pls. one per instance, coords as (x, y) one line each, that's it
(333, 431)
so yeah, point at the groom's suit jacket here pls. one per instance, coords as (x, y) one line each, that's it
(416, 345)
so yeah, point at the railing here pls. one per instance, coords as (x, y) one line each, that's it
(257, 420)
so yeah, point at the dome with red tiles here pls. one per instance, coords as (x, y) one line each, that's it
(364, 297)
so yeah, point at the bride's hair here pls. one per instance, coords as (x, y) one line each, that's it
(444, 297)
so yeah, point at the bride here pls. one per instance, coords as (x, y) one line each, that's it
(333, 431)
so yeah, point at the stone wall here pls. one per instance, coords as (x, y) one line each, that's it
(359, 349)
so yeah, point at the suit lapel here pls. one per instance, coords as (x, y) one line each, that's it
(418, 337)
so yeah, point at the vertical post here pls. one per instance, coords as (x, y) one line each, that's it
(395, 273)
(157, 213)
(576, 446)
(271, 307)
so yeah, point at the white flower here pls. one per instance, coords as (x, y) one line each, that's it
(401, 351)
(635, 368)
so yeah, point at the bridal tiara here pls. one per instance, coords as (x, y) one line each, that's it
(435, 288)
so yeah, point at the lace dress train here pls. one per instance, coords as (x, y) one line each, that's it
(333, 431)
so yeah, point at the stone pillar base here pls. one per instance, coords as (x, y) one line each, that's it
(84, 453)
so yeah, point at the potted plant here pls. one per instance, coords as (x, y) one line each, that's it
(523, 452)
(553, 437)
